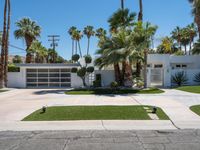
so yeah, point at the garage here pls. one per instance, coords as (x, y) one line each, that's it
(48, 77)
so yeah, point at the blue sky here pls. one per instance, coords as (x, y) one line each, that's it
(56, 16)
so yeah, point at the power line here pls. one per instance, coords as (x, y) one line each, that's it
(54, 40)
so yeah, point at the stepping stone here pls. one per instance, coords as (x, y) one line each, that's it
(153, 116)
(146, 108)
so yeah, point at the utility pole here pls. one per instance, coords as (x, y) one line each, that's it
(54, 40)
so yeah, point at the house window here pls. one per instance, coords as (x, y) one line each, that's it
(158, 66)
(178, 66)
(184, 66)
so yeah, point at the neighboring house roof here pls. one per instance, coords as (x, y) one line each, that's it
(47, 65)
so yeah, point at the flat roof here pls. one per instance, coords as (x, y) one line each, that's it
(47, 65)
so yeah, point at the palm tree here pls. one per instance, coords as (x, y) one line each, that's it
(192, 34)
(4, 46)
(29, 31)
(52, 55)
(121, 18)
(39, 51)
(177, 35)
(166, 46)
(1, 34)
(77, 35)
(70, 31)
(185, 38)
(89, 32)
(196, 12)
(140, 15)
(101, 33)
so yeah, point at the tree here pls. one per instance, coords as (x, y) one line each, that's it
(196, 12)
(167, 46)
(39, 51)
(77, 35)
(29, 31)
(84, 70)
(121, 18)
(52, 56)
(17, 59)
(5, 43)
(192, 31)
(89, 32)
(177, 35)
(71, 31)
(196, 48)
(185, 38)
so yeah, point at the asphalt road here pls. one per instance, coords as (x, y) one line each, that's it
(101, 140)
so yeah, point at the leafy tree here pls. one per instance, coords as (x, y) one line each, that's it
(29, 31)
(167, 46)
(17, 59)
(89, 32)
(84, 70)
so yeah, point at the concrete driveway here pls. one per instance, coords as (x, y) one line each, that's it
(17, 104)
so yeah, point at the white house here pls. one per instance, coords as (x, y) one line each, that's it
(53, 76)
(161, 68)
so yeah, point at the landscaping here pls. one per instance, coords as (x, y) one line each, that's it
(113, 91)
(94, 113)
(1, 91)
(196, 109)
(191, 89)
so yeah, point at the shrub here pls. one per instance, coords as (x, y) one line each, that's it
(90, 69)
(75, 57)
(81, 72)
(114, 85)
(139, 82)
(197, 78)
(179, 78)
(74, 70)
(97, 83)
(88, 59)
(13, 68)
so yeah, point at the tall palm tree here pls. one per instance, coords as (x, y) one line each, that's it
(4, 46)
(140, 15)
(185, 38)
(101, 33)
(121, 18)
(29, 31)
(192, 31)
(196, 12)
(70, 31)
(77, 35)
(89, 32)
(1, 34)
(177, 35)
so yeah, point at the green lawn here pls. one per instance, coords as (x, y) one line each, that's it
(1, 91)
(196, 109)
(93, 113)
(191, 89)
(111, 91)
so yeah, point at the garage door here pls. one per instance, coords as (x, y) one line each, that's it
(48, 78)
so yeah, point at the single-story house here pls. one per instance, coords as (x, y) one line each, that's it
(53, 76)
(160, 70)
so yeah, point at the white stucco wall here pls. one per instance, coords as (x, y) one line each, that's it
(107, 76)
(17, 79)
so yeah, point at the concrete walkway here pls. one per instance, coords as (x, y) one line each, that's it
(18, 103)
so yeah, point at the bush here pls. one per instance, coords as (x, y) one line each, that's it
(75, 57)
(81, 72)
(179, 78)
(74, 70)
(97, 83)
(139, 82)
(197, 78)
(90, 69)
(88, 59)
(114, 85)
(13, 68)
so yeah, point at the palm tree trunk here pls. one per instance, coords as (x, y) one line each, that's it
(76, 47)
(79, 48)
(190, 47)
(2, 84)
(197, 20)
(122, 4)
(128, 78)
(117, 74)
(185, 49)
(7, 45)
(138, 68)
(72, 47)
(140, 15)
(145, 68)
(88, 48)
